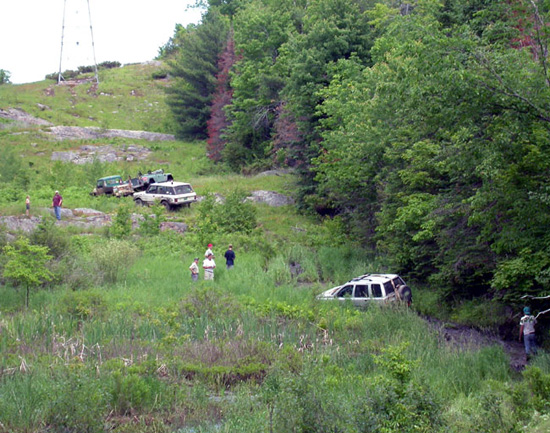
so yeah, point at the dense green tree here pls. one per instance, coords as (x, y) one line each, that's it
(331, 30)
(26, 265)
(444, 143)
(261, 28)
(194, 70)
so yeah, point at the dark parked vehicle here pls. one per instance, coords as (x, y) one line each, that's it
(105, 185)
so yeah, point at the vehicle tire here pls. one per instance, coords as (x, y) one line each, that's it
(405, 294)
(166, 205)
(139, 202)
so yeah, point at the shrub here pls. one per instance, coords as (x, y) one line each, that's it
(129, 392)
(83, 305)
(50, 235)
(211, 302)
(77, 405)
(113, 257)
(76, 271)
(236, 214)
(150, 225)
(122, 223)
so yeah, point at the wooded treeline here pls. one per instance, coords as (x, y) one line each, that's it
(423, 125)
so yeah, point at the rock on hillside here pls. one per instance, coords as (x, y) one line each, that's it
(87, 154)
(271, 198)
(21, 116)
(93, 133)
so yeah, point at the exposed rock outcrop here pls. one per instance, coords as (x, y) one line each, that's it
(86, 154)
(93, 133)
(271, 198)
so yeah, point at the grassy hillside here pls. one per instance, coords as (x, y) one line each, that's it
(118, 338)
(126, 98)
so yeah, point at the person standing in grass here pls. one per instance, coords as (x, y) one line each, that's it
(194, 268)
(208, 251)
(208, 265)
(527, 329)
(57, 202)
(28, 206)
(229, 257)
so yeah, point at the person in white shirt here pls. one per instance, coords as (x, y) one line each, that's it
(208, 265)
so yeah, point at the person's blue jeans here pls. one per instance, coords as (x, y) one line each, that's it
(57, 210)
(530, 344)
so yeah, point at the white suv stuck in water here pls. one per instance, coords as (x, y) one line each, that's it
(169, 194)
(379, 288)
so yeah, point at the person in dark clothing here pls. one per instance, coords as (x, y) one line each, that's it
(229, 257)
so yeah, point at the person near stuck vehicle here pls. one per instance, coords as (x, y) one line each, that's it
(527, 329)
(194, 268)
(208, 265)
(229, 257)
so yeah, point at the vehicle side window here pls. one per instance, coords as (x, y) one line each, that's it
(161, 190)
(152, 189)
(376, 290)
(170, 191)
(397, 281)
(388, 286)
(361, 291)
(345, 291)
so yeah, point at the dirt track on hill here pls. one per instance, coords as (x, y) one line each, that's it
(467, 338)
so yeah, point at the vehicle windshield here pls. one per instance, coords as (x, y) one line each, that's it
(183, 189)
(345, 291)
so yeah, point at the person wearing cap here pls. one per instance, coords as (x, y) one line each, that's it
(194, 268)
(209, 251)
(57, 202)
(527, 329)
(208, 265)
(229, 257)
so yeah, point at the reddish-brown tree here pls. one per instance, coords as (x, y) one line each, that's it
(218, 121)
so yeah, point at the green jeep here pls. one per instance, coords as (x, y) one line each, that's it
(105, 185)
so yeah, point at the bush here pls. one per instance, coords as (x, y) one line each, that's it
(83, 305)
(77, 405)
(122, 223)
(50, 235)
(150, 225)
(112, 258)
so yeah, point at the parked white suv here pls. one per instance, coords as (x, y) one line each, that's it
(169, 194)
(380, 288)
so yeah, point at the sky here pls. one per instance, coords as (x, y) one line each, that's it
(127, 31)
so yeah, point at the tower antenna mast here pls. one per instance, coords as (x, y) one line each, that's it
(60, 77)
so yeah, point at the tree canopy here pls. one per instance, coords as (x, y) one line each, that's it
(423, 124)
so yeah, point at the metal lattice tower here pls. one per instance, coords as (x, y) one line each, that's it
(60, 77)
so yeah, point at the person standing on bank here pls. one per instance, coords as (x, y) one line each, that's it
(194, 268)
(28, 206)
(527, 329)
(208, 265)
(229, 257)
(57, 202)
